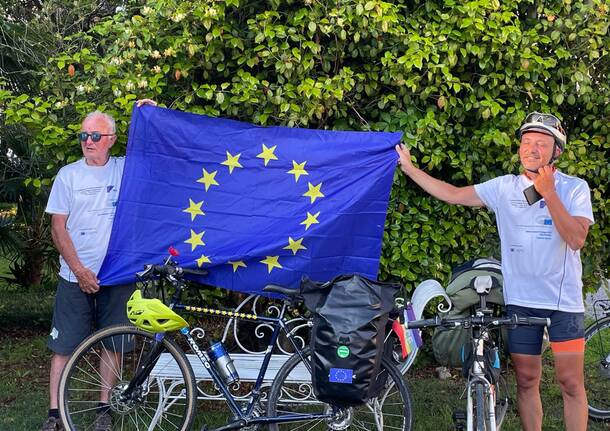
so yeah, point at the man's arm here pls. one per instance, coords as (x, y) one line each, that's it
(87, 280)
(573, 229)
(437, 188)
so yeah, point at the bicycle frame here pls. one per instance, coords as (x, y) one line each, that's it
(477, 376)
(243, 417)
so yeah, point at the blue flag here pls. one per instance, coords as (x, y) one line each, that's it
(252, 205)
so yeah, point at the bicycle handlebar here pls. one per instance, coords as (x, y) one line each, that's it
(176, 271)
(480, 321)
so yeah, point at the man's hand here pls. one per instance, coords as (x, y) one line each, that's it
(87, 281)
(142, 102)
(545, 181)
(405, 158)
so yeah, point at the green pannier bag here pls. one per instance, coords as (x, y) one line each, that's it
(447, 344)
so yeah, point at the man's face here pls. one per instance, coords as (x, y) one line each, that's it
(96, 153)
(536, 150)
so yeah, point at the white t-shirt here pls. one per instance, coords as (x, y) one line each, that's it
(540, 270)
(88, 195)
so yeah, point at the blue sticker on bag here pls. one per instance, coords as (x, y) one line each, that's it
(341, 375)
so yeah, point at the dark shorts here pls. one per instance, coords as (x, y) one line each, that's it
(566, 333)
(77, 314)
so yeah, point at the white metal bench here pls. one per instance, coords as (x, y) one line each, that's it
(248, 362)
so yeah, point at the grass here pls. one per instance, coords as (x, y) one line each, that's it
(24, 362)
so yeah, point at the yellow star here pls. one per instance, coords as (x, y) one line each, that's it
(195, 239)
(208, 179)
(194, 209)
(232, 162)
(271, 262)
(203, 259)
(311, 219)
(313, 192)
(295, 246)
(267, 154)
(237, 264)
(297, 170)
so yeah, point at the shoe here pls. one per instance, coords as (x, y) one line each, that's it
(52, 424)
(103, 422)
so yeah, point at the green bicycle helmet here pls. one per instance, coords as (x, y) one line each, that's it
(152, 315)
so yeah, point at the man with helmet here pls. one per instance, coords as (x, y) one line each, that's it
(543, 217)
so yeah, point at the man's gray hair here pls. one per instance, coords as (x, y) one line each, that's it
(105, 116)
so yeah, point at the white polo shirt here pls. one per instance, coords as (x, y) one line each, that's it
(540, 270)
(88, 195)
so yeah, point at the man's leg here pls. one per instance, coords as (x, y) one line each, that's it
(568, 343)
(111, 310)
(109, 371)
(72, 315)
(525, 345)
(569, 367)
(528, 369)
(58, 362)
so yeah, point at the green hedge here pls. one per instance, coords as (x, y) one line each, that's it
(457, 77)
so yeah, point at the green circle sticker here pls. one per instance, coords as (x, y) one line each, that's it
(343, 352)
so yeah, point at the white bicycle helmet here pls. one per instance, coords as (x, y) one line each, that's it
(547, 124)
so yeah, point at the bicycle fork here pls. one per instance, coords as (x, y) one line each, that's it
(488, 391)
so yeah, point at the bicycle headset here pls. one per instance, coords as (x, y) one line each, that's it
(152, 315)
(547, 124)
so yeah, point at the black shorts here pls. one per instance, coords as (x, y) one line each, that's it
(77, 314)
(566, 333)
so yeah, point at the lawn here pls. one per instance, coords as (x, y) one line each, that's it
(25, 318)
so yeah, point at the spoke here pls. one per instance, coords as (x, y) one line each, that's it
(88, 373)
(84, 410)
(102, 361)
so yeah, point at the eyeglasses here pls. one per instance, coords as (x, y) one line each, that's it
(546, 119)
(95, 136)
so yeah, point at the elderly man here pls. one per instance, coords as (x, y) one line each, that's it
(543, 218)
(82, 204)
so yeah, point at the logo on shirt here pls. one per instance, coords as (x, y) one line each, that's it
(542, 204)
(544, 221)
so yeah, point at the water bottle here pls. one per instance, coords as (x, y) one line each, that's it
(223, 362)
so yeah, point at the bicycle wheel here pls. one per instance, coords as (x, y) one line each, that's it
(391, 410)
(597, 369)
(479, 417)
(101, 368)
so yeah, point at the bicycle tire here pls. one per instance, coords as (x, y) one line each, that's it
(394, 403)
(597, 377)
(170, 402)
(479, 418)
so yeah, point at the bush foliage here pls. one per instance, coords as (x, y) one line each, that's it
(456, 77)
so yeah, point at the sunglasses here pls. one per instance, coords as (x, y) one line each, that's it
(546, 119)
(95, 136)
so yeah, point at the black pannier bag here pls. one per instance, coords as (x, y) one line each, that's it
(350, 314)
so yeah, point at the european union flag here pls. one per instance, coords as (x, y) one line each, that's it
(252, 205)
(341, 375)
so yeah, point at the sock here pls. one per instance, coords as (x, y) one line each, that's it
(102, 408)
(54, 413)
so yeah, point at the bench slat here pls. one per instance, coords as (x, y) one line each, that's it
(247, 367)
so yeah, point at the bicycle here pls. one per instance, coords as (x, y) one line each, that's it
(597, 362)
(139, 400)
(487, 400)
